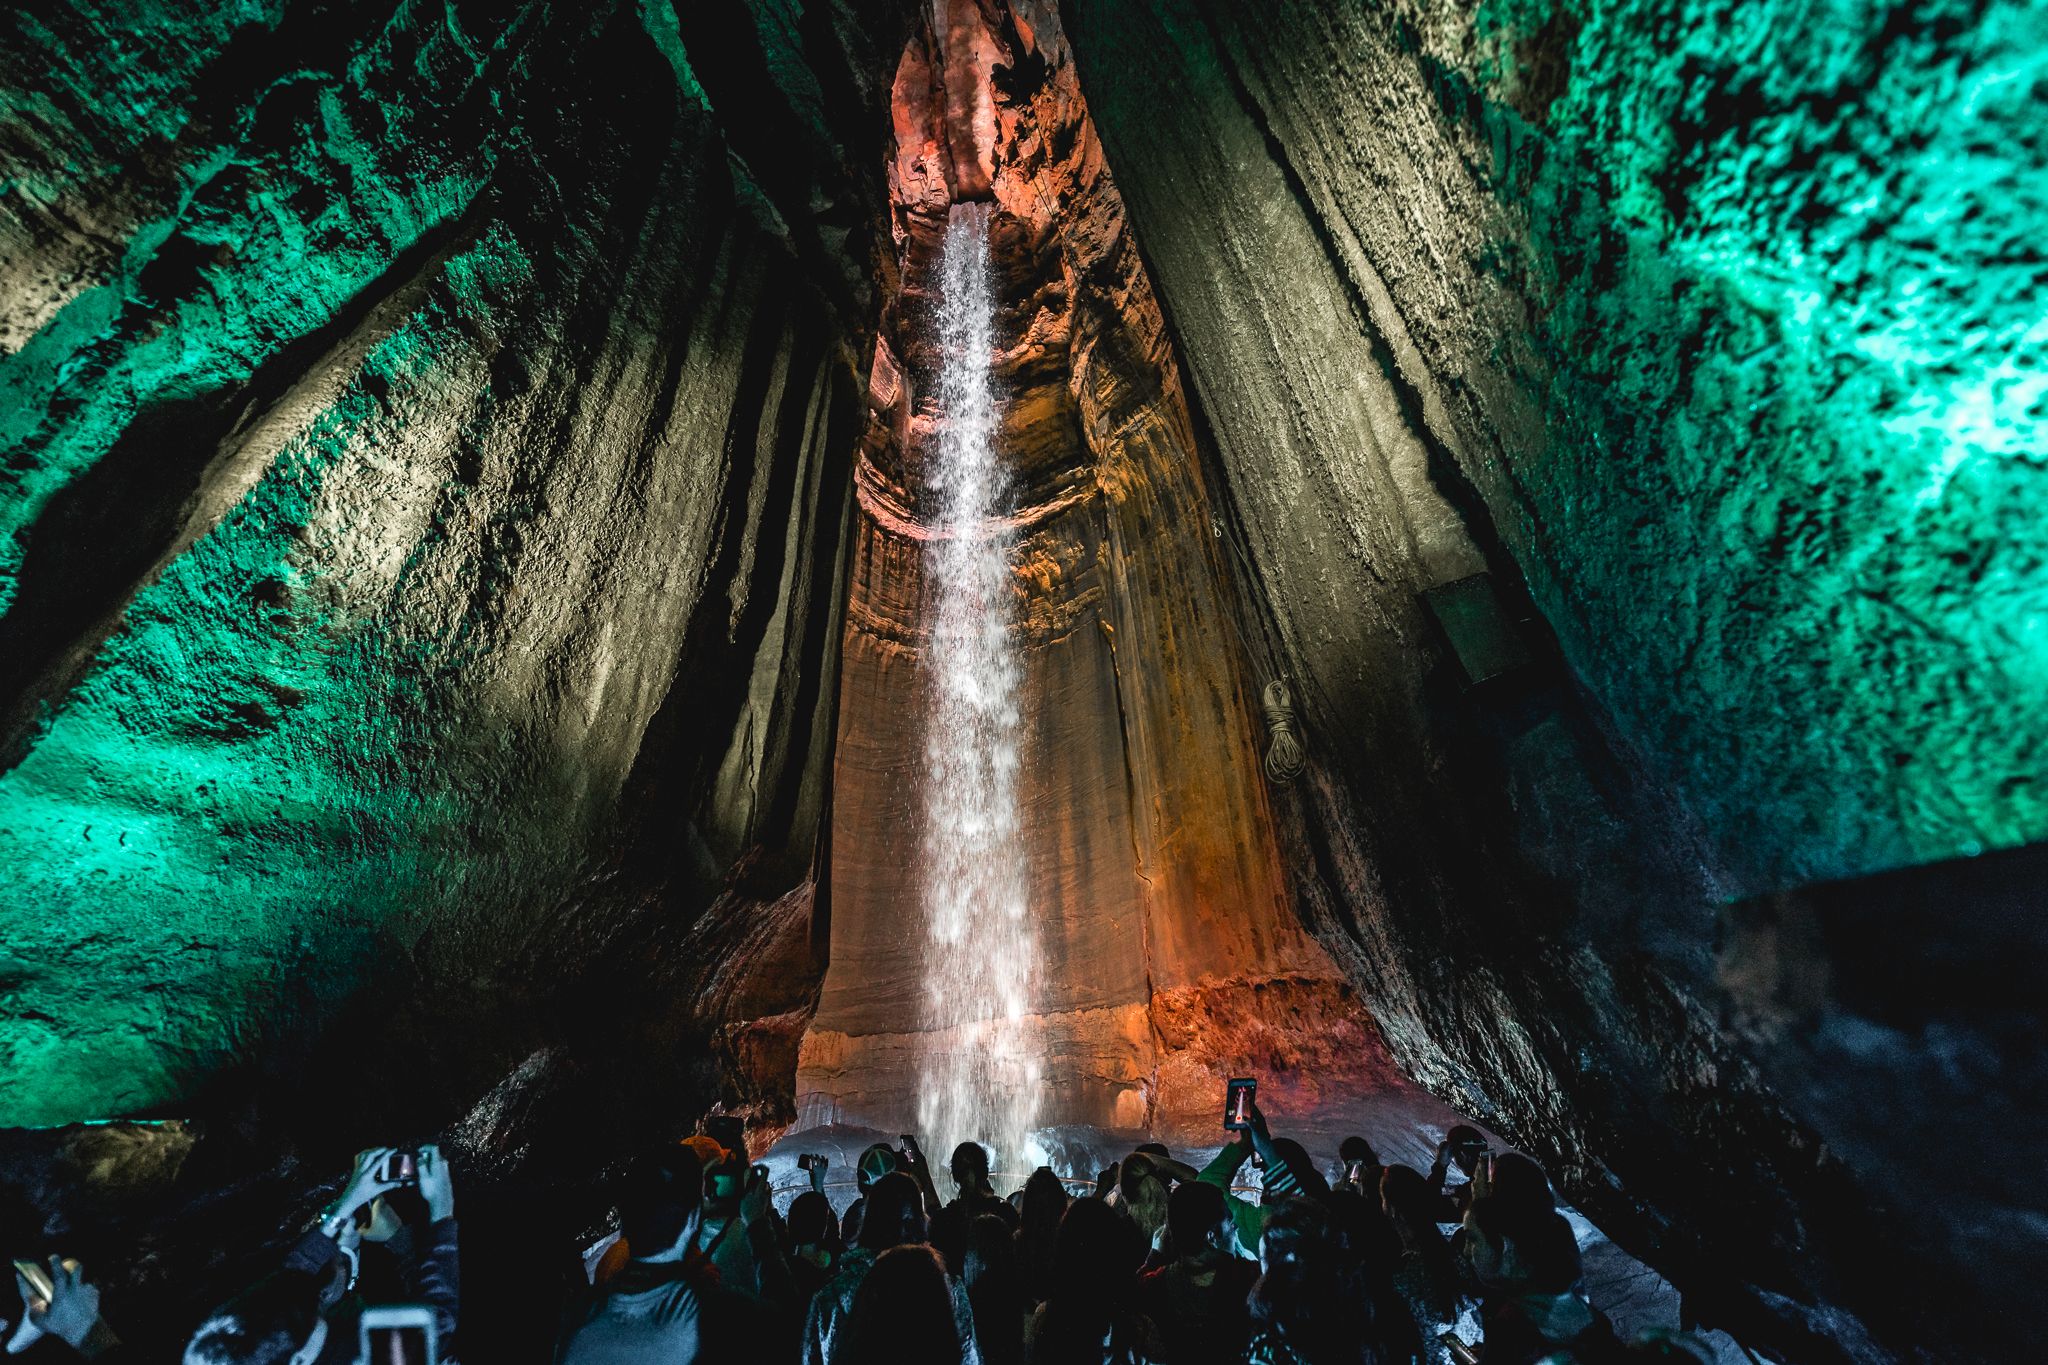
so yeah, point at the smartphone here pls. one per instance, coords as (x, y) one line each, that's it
(909, 1142)
(1460, 1351)
(37, 1278)
(1237, 1103)
(400, 1168)
(399, 1334)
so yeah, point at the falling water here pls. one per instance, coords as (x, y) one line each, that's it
(979, 1072)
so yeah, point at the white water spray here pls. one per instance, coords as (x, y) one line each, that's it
(980, 1070)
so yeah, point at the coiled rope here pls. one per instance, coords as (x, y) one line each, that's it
(1286, 758)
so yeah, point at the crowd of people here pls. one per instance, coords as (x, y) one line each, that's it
(1160, 1263)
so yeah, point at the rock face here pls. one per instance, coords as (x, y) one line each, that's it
(1636, 308)
(449, 447)
(428, 451)
(1155, 882)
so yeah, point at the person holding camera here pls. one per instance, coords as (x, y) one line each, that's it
(1288, 1171)
(59, 1304)
(1464, 1147)
(309, 1313)
(737, 1233)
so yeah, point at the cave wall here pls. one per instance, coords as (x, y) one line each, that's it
(1706, 332)
(427, 473)
(430, 435)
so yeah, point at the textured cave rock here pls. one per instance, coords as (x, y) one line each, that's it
(1669, 317)
(1172, 956)
(448, 449)
(428, 449)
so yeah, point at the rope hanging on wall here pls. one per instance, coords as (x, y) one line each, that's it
(1286, 758)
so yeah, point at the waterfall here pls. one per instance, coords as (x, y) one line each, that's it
(979, 1070)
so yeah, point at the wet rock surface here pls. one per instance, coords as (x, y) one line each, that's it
(1158, 897)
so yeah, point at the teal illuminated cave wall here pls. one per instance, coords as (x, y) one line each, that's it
(1712, 330)
(1788, 293)
(1729, 316)
(419, 524)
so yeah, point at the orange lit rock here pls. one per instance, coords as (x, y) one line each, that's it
(1172, 956)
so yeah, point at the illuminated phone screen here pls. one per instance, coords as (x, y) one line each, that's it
(1237, 1103)
(398, 1346)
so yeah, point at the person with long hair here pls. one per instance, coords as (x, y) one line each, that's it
(1313, 1303)
(1087, 1319)
(903, 1314)
(1426, 1274)
(1526, 1260)
(1043, 1206)
(995, 1289)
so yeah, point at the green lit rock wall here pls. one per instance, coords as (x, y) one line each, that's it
(1731, 314)
(1714, 332)
(420, 515)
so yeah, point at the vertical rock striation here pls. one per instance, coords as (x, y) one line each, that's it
(1644, 310)
(1154, 879)
(427, 450)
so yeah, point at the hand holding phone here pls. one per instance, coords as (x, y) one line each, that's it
(59, 1302)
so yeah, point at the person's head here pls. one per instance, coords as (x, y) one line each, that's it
(894, 1214)
(1519, 1184)
(991, 1254)
(876, 1162)
(1356, 1151)
(1464, 1143)
(1198, 1218)
(1312, 1288)
(1407, 1199)
(902, 1313)
(276, 1323)
(812, 1223)
(1044, 1203)
(1157, 1149)
(1097, 1255)
(969, 1166)
(660, 1199)
(1296, 1157)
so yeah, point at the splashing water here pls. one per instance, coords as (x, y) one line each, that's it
(979, 1070)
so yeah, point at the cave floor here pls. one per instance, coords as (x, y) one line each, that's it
(1403, 1126)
